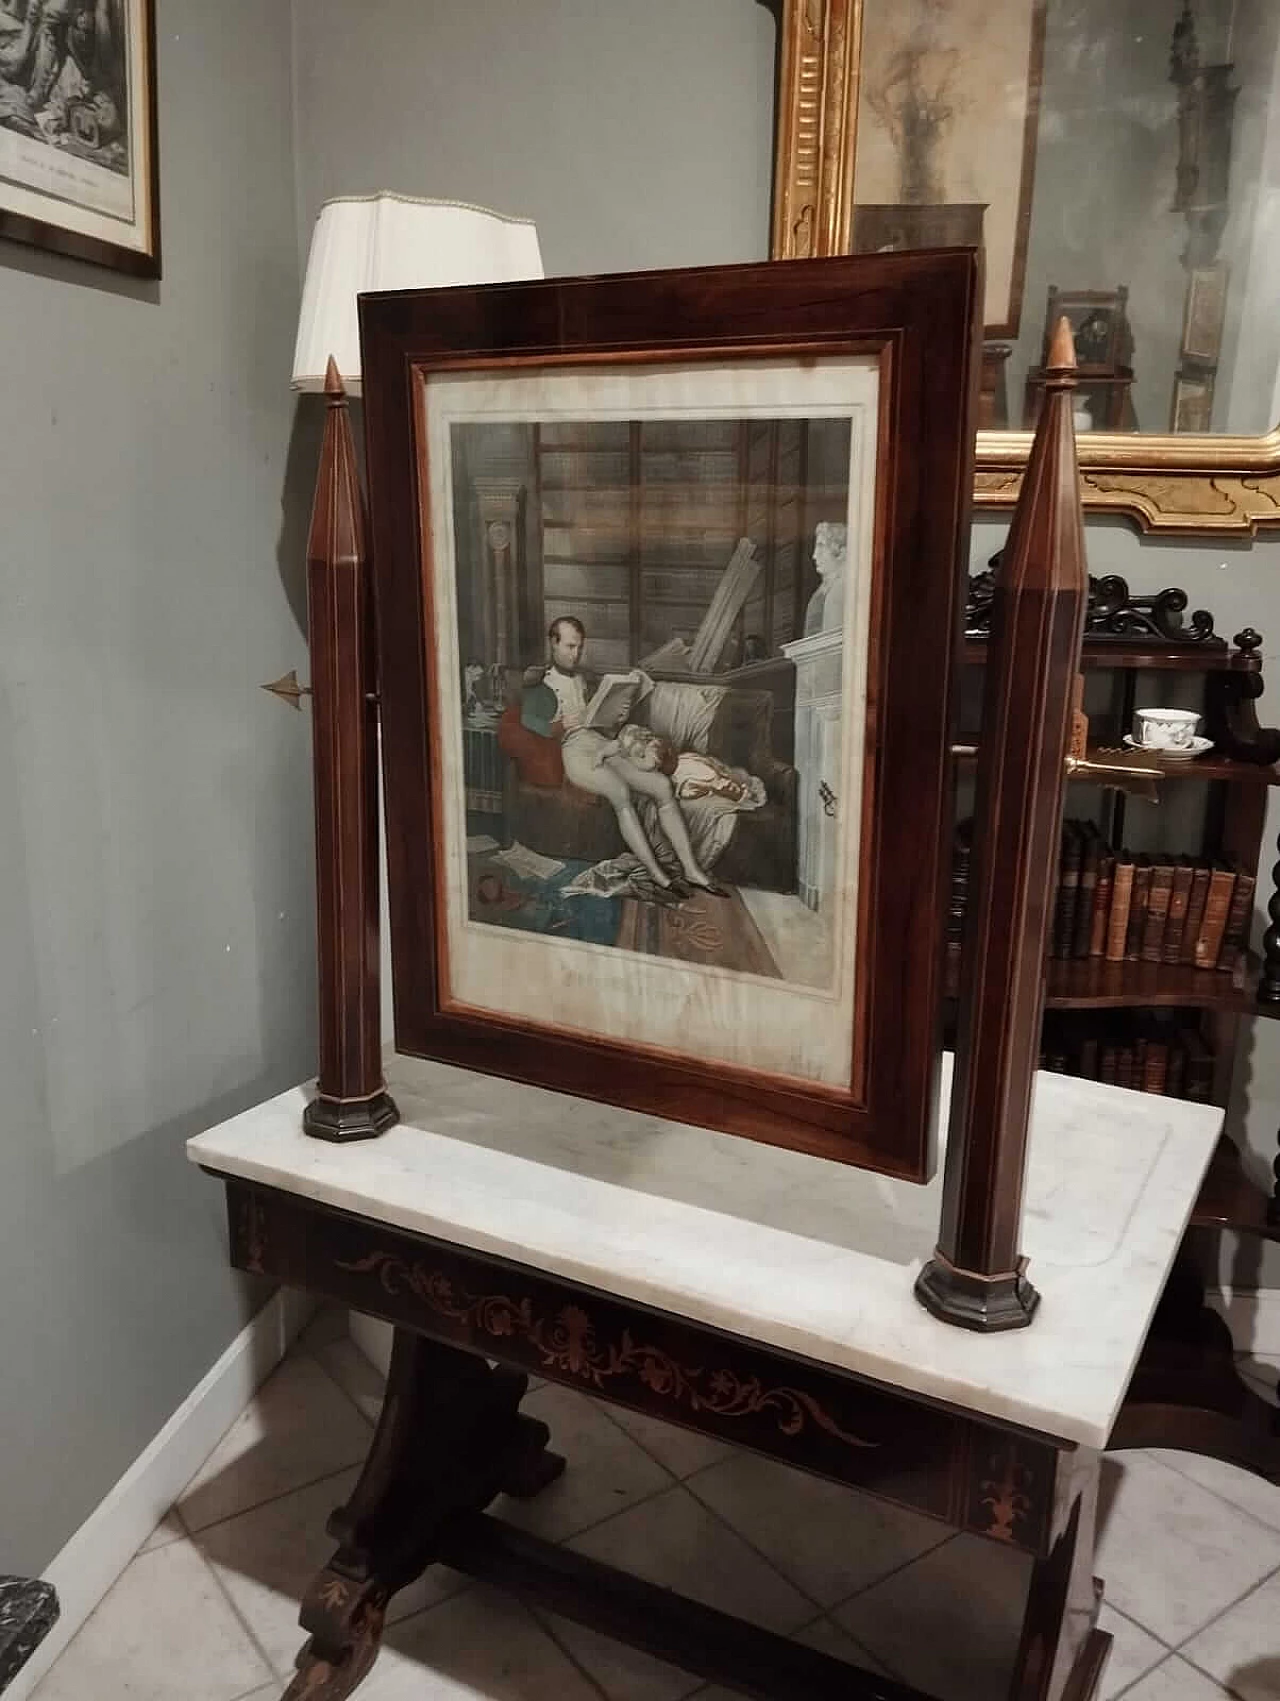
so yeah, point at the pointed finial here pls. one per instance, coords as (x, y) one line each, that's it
(288, 689)
(1062, 350)
(334, 388)
(1060, 368)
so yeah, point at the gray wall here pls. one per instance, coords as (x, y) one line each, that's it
(634, 134)
(156, 956)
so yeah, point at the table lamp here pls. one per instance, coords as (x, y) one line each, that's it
(362, 243)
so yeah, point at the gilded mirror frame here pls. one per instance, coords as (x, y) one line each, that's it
(1220, 485)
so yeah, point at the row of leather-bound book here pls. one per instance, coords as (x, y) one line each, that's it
(1150, 1051)
(1127, 907)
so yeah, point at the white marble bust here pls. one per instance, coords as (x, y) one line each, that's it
(825, 612)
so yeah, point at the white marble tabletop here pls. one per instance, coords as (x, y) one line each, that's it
(797, 1252)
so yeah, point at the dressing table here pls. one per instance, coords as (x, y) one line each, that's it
(940, 1308)
(756, 1295)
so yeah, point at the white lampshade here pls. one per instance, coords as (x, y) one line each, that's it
(368, 242)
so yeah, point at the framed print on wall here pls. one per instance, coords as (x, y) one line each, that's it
(78, 163)
(668, 576)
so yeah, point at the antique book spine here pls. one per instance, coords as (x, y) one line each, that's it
(1235, 935)
(1175, 1079)
(1159, 894)
(1199, 1070)
(1217, 907)
(1064, 909)
(1121, 901)
(1138, 908)
(1091, 857)
(1108, 1069)
(1195, 912)
(1089, 1058)
(1102, 905)
(960, 853)
(1179, 898)
(1124, 1066)
(1156, 1069)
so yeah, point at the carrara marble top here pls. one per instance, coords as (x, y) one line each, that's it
(811, 1256)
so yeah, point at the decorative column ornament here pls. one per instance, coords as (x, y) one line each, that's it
(976, 1277)
(352, 1102)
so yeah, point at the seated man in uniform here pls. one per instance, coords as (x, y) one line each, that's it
(553, 704)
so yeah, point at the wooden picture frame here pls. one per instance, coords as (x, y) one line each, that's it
(897, 334)
(1205, 312)
(1099, 326)
(79, 167)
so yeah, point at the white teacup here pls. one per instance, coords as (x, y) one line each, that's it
(1165, 729)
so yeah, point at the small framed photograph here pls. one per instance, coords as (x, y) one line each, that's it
(78, 165)
(668, 585)
(1192, 409)
(1206, 310)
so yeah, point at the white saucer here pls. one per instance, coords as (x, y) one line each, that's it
(1197, 747)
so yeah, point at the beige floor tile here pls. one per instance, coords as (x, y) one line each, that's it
(1133, 1653)
(355, 1375)
(680, 1450)
(830, 1541)
(328, 1325)
(1241, 1488)
(624, 1673)
(675, 1542)
(949, 1623)
(162, 1630)
(1175, 1680)
(265, 1559)
(298, 1428)
(1241, 1650)
(606, 1471)
(1172, 1554)
(479, 1646)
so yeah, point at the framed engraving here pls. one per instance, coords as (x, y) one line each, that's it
(1205, 312)
(78, 163)
(656, 560)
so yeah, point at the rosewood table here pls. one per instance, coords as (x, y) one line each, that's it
(754, 1294)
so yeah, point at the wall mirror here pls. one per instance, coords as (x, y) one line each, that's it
(1120, 161)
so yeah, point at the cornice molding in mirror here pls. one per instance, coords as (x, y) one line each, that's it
(1219, 485)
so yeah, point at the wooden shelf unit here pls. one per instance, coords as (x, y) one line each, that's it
(1243, 765)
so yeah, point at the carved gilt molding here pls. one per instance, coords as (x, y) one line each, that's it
(1185, 484)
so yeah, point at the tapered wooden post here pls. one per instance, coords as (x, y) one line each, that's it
(352, 1102)
(976, 1277)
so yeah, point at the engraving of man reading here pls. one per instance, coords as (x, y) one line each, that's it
(617, 762)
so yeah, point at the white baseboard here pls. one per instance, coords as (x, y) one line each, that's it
(1253, 1316)
(108, 1539)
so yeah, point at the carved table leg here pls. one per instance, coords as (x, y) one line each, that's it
(450, 1438)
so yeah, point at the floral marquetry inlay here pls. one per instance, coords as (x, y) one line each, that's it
(568, 1342)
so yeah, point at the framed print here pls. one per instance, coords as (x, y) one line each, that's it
(944, 141)
(78, 164)
(1205, 312)
(658, 559)
(1192, 407)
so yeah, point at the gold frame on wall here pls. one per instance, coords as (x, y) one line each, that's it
(1165, 483)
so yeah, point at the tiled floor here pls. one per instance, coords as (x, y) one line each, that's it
(207, 1611)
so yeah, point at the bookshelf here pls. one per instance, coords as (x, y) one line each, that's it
(1194, 667)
